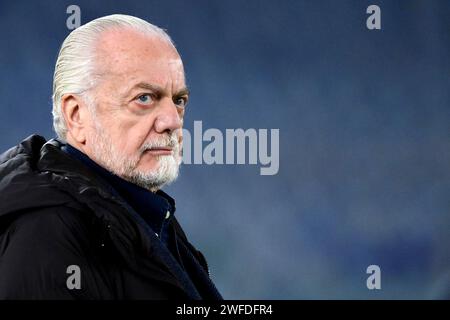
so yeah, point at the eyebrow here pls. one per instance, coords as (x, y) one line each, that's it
(157, 89)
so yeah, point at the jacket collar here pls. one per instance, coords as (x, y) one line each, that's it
(154, 208)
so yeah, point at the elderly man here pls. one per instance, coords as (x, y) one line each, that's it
(83, 216)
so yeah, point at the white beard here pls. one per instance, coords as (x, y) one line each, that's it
(108, 155)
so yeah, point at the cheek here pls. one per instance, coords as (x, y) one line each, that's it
(129, 136)
(129, 145)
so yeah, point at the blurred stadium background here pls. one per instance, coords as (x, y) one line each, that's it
(364, 119)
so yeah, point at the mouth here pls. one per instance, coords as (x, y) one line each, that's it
(159, 151)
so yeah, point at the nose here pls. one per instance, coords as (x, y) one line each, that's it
(169, 117)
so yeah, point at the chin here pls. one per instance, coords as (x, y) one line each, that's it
(149, 165)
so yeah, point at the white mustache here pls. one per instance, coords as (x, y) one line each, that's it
(168, 142)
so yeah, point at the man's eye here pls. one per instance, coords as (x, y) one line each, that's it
(181, 102)
(145, 99)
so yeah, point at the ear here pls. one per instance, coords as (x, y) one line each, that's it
(76, 117)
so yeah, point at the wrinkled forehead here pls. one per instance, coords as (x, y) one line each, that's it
(130, 54)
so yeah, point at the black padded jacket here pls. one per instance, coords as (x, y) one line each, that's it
(64, 235)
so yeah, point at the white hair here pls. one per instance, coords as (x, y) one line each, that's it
(74, 69)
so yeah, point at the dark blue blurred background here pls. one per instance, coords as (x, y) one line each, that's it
(364, 119)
